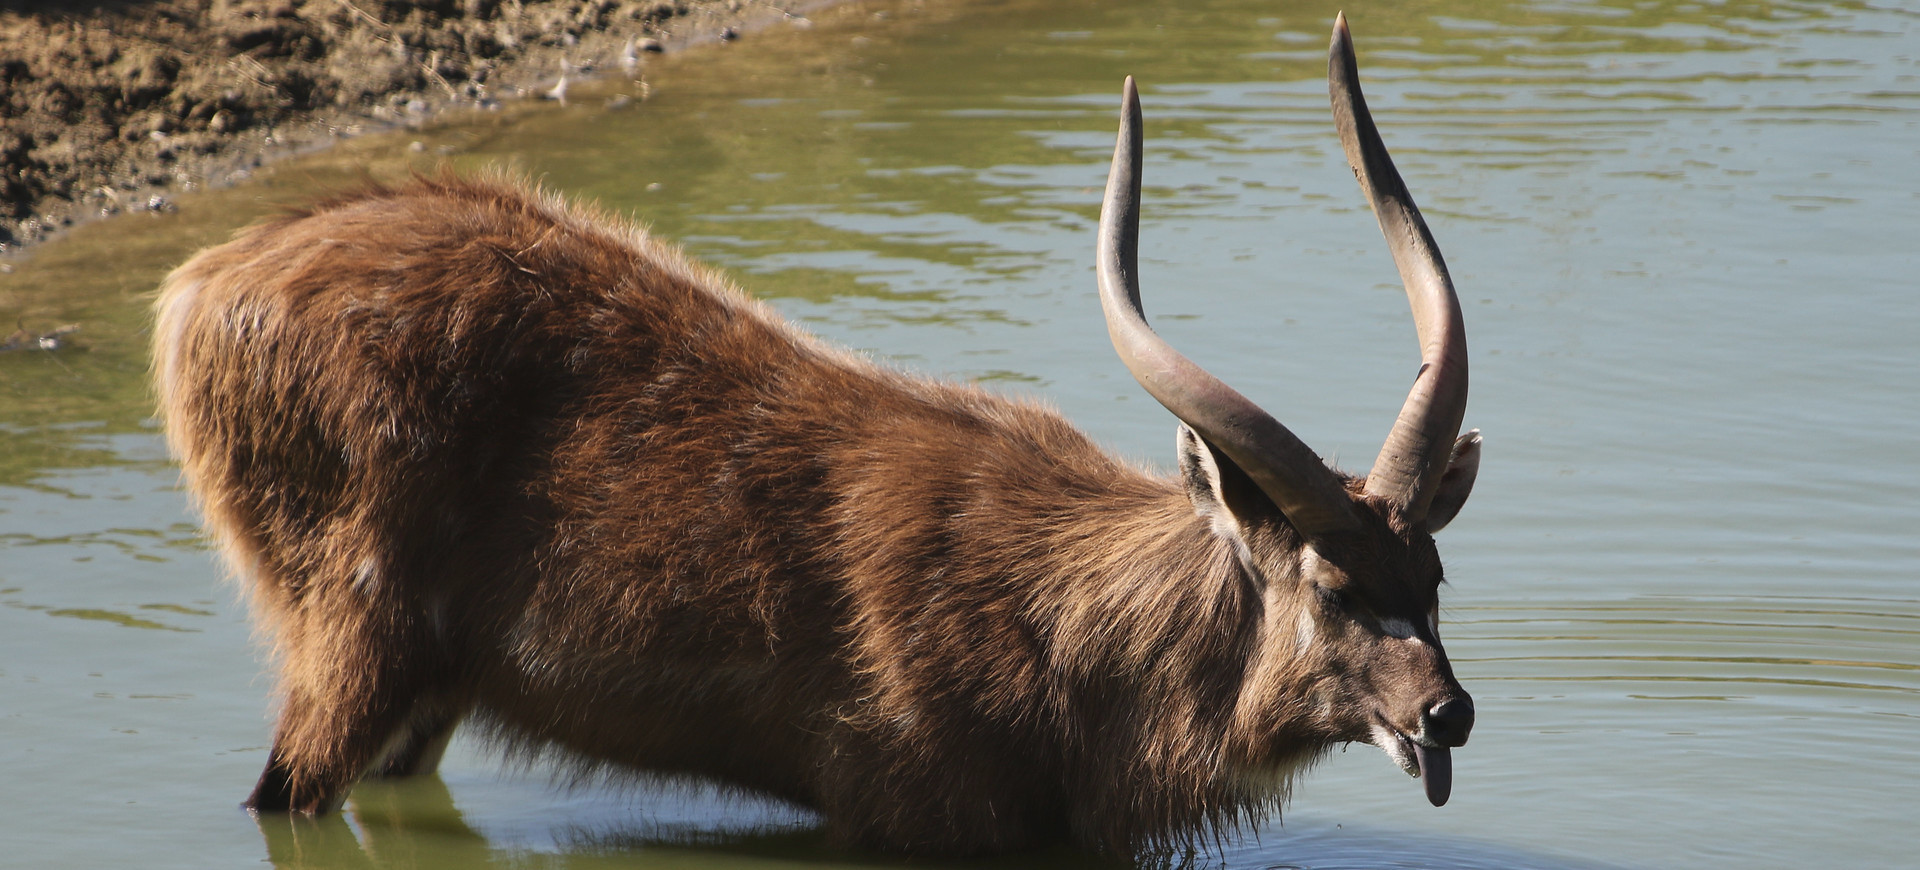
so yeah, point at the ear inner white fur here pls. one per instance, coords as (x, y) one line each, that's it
(1457, 483)
(1201, 473)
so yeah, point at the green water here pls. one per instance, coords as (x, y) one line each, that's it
(1686, 594)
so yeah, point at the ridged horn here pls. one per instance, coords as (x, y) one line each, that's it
(1309, 493)
(1415, 454)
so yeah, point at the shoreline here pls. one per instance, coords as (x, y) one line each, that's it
(122, 105)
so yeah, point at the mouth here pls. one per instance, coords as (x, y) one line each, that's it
(1433, 765)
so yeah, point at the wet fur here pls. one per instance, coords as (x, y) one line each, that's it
(479, 453)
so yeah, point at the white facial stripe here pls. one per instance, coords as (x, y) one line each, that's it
(1309, 562)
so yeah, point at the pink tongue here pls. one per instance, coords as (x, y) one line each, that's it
(1436, 771)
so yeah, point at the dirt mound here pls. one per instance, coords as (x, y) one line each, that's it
(108, 104)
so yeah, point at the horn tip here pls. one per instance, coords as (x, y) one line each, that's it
(1340, 50)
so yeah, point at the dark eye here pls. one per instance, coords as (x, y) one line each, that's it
(1333, 600)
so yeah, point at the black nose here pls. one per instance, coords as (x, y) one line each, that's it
(1449, 721)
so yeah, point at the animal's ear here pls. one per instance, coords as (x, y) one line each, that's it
(1220, 491)
(1456, 483)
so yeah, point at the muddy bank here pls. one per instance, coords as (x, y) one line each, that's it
(112, 105)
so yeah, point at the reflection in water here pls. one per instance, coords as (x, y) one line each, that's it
(399, 824)
(295, 843)
(1683, 595)
(415, 824)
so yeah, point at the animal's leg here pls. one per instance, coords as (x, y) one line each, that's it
(318, 753)
(422, 741)
(352, 682)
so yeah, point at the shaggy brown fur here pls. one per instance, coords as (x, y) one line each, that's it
(476, 452)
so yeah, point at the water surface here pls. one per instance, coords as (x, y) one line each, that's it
(1683, 594)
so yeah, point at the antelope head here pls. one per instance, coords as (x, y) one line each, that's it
(1346, 567)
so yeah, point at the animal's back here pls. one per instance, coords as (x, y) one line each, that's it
(410, 356)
